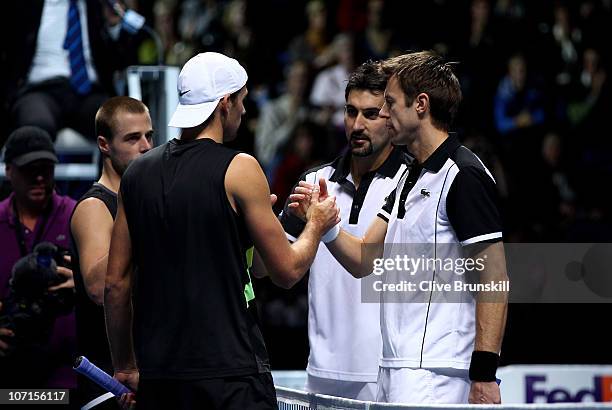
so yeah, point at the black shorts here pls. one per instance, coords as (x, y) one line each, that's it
(238, 392)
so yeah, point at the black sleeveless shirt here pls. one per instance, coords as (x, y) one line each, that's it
(91, 329)
(194, 313)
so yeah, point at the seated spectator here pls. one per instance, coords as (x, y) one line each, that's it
(519, 113)
(328, 88)
(63, 55)
(176, 50)
(37, 351)
(566, 39)
(518, 105)
(199, 22)
(586, 96)
(376, 36)
(313, 44)
(280, 117)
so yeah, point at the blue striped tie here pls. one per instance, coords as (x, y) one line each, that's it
(74, 44)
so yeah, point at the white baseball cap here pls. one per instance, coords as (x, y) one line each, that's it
(204, 80)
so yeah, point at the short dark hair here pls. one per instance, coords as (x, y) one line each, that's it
(207, 122)
(105, 117)
(198, 128)
(427, 72)
(368, 76)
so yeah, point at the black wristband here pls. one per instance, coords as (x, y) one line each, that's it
(483, 366)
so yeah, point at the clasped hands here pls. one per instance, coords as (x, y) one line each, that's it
(313, 202)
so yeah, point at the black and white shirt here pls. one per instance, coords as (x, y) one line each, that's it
(344, 333)
(449, 199)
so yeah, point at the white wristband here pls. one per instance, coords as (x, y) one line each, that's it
(331, 234)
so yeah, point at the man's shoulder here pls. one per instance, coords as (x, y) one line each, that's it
(90, 205)
(469, 164)
(141, 163)
(324, 170)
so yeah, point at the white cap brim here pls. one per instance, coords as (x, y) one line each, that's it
(187, 116)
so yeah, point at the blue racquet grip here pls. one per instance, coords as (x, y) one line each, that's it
(99, 376)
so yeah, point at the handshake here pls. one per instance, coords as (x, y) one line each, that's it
(313, 204)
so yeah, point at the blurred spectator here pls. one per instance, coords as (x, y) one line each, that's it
(566, 39)
(551, 184)
(519, 113)
(376, 36)
(280, 117)
(328, 88)
(586, 100)
(239, 37)
(313, 44)
(588, 112)
(200, 23)
(300, 154)
(40, 352)
(518, 104)
(176, 50)
(479, 66)
(241, 43)
(63, 54)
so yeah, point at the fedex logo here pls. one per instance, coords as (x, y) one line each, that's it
(536, 391)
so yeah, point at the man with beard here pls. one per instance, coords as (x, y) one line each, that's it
(124, 131)
(344, 334)
(32, 214)
(439, 345)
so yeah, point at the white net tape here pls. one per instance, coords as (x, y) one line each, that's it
(290, 399)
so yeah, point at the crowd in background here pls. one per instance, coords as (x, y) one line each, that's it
(533, 74)
(534, 82)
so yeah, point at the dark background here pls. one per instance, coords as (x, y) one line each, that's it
(553, 174)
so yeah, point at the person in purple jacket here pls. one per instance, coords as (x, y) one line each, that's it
(32, 215)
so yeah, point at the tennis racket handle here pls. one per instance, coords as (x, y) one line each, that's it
(99, 376)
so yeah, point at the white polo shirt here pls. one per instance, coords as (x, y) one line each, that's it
(449, 199)
(344, 333)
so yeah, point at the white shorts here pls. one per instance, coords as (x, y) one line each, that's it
(341, 388)
(423, 386)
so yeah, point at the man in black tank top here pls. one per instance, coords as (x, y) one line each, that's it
(124, 131)
(179, 305)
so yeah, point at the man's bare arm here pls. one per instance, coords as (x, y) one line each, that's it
(491, 312)
(249, 194)
(356, 255)
(491, 309)
(118, 295)
(91, 227)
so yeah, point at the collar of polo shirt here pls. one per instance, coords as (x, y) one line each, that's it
(437, 159)
(388, 168)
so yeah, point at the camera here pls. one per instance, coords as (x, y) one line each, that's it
(30, 309)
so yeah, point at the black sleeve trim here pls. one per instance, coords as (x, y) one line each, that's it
(471, 206)
(384, 218)
(388, 205)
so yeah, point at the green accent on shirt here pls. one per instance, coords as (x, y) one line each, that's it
(249, 293)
